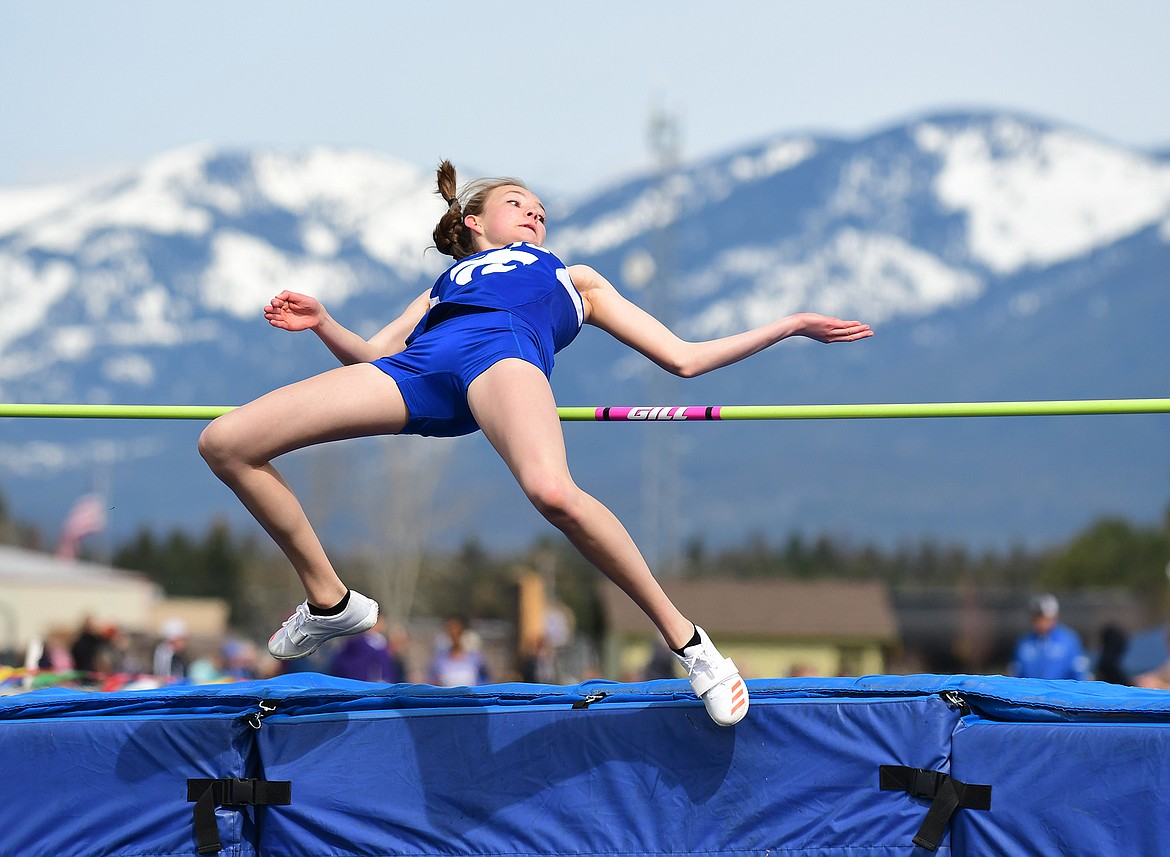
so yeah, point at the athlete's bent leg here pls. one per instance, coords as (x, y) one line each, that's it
(514, 406)
(351, 401)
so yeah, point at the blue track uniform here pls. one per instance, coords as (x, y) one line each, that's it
(1057, 654)
(514, 301)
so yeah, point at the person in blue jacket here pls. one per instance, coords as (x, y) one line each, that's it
(1049, 650)
(475, 353)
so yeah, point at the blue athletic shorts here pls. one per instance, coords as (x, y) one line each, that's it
(434, 371)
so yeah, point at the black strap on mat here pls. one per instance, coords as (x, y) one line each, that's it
(208, 794)
(946, 794)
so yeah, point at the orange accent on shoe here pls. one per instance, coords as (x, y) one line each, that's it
(739, 697)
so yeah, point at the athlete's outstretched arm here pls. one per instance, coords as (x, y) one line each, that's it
(294, 311)
(627, 322)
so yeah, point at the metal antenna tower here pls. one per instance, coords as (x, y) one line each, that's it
(660, 479)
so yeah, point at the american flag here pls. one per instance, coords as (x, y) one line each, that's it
(86, 518)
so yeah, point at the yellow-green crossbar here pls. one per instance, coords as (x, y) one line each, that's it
(1073, 407)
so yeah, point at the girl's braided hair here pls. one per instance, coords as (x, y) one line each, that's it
(452, 237)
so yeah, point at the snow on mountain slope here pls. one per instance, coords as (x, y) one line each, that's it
(857, 227)
(385, 206)
(859, 274)
(22, 206)
(657, 206)
(142, 258)
(245, 271)
(1037, 196)
(157, 198)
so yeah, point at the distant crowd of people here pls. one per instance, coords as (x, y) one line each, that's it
(457, 658)
(97, 652)
(1049, 649)
(94, 652)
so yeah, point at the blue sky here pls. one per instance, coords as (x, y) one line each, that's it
(555, 93)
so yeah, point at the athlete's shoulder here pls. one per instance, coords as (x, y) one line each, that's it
(585, 271)
(587, 279)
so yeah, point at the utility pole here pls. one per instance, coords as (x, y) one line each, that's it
(660, 478)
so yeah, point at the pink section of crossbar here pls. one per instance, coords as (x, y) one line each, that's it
(662, 414)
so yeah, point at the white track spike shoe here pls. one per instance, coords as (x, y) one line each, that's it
(715, 680)
(303, 633)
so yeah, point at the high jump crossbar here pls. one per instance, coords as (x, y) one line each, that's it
(676, 413)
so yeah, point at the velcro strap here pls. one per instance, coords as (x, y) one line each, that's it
(207, 794)
(946, 794)
(724, 669)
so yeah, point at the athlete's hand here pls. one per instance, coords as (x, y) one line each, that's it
(823, 328)
(294, 311)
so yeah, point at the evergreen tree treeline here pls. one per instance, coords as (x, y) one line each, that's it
(247, 572)
(472, 580)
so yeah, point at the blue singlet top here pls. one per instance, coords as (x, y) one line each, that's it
(523, 279)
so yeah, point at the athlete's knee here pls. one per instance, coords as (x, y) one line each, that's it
(555, 497)
(217, 446)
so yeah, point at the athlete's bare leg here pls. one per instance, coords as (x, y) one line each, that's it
(351, 401)
(514, 406)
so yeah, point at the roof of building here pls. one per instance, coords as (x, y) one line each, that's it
(787, 609)
(26, 566)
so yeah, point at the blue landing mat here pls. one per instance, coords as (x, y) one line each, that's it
(323, 766)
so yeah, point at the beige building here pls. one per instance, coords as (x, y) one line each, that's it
(40, 593)
(771, 629)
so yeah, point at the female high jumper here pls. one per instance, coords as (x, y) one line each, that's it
(475, 352)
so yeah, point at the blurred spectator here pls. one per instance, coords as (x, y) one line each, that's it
(400, 651)
(170, 655)
(368, 657)
(318, 662)
(662, 663)
(458, 663)
(240, 659)
(1159, 677)
(538, 666)
(1114, 643)
(116, 655)
(1049, 650)
(88, 648)
(207, 669)
(56, 656)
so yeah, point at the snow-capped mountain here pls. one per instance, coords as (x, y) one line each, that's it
(153, 258)
(998, 256)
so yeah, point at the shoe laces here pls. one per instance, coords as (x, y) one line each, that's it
(700, 661)
(297, 620)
